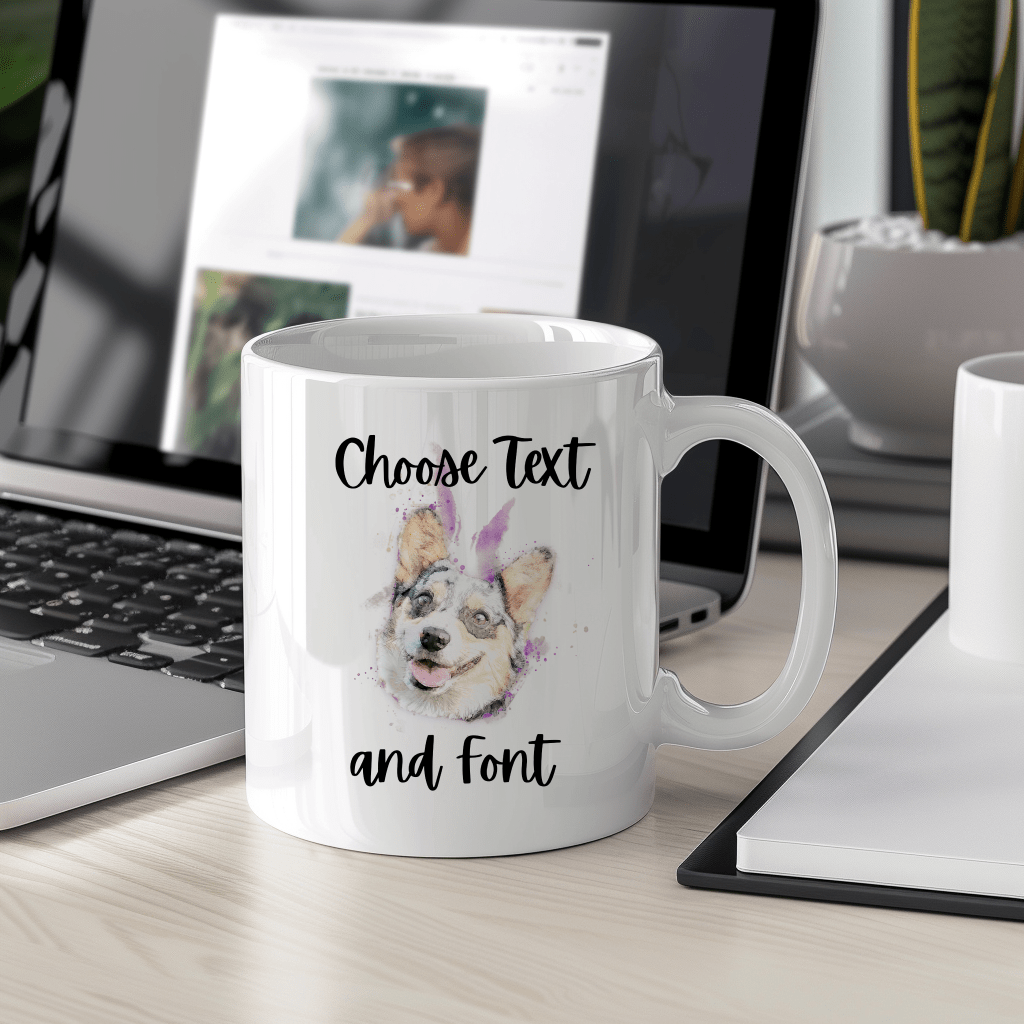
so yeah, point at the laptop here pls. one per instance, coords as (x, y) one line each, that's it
(210, 170)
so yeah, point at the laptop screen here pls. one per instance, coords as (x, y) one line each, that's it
(238, 167)
(359, 168)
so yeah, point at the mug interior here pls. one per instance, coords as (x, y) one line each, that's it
(1004, 368)
(465, 346)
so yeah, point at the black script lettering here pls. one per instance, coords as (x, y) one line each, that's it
(448, 471)
(370, 463)
(534, 458)
(339, 462)
(549, 468)
(423, 762)
(574, 446)
(468, 461)
(362, 764)
(508, 764)
(490, 765)
(466, 757)
(425, 471)
(403, 470)
(538, 759)
(510, 458)
(532, 462)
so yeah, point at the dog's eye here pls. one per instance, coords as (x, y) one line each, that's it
(480, 617)
(421, 603)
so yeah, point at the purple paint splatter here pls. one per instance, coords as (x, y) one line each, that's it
(487, 540)
(535, 649)
(448, 513)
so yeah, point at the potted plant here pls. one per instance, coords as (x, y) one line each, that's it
(890, 306)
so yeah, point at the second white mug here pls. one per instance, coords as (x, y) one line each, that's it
(986, 542)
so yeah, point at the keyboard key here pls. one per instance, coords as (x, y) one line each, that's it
(22, 598)
(180, 588)
(212, 615)
(11, 532)
(80, 531)
(133, 573)
(69, 611)
(133, 540)
(152, 604)
(88, 641)
(229, 556)
(230, 596)
(196, 668)
(139, 659)
(101, 592)
(126, 621)
(16, 624)
(165, 559)
(204, 572)
(84, 563)
(51, 581)
(181, 634)
(231, 643)
(12, 559)
(42, 544)
(38, 520)
(232, 661)
(235, 681)
(97, 548)
(191, 548)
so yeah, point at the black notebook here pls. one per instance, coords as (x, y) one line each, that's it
(890, 799)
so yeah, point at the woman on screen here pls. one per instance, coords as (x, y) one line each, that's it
(430, 186)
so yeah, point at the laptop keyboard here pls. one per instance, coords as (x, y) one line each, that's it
(147, 599)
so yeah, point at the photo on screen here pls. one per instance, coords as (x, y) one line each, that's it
(391, 165)
(229, 309)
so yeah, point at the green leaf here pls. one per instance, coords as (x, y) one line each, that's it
(949, 71)
(984, 213)
(26, 39)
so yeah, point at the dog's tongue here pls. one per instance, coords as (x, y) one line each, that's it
(430, 676)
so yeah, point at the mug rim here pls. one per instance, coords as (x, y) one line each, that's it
(652, 354)
(977, 366)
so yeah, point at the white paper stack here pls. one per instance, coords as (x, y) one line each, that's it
(922, 785)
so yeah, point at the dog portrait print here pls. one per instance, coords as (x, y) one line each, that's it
(454, 645)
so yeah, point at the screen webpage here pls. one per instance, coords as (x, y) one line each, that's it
(617, 190)
(353, 168)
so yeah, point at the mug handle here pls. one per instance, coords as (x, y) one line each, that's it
(677, 716)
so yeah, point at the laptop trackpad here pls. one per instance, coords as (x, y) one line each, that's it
(23, 656)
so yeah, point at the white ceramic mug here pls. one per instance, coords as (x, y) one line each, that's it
(451, 555)
(986, 528)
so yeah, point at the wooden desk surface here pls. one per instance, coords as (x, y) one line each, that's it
(176, 904)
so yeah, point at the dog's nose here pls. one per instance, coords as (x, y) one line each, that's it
(434, 639)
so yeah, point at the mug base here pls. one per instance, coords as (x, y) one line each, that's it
(446, 848)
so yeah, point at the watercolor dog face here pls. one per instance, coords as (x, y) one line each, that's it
(453, 644)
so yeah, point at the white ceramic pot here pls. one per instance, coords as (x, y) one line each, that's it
(887, 329)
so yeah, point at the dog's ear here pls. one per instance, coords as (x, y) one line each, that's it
(421, 544)
(526, 581)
